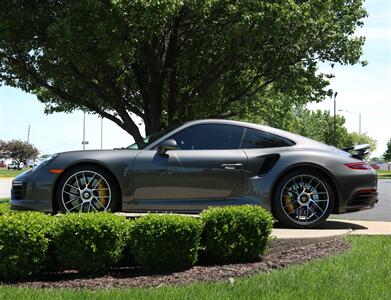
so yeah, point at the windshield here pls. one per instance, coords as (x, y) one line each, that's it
(152, 138)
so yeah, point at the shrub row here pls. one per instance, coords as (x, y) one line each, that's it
(4, 208)
(95, 242)
(24, 244)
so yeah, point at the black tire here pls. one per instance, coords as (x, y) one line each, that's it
(290, 213)
(63, 205)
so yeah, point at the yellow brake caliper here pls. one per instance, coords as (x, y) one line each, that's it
(102, 193)
(288, 202)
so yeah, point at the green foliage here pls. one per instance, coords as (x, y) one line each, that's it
(18, 150)
(165, 242)
(317, 125)
(363, 138)
(169, 61)
(235, 234)
(387, 154)
(23, 244)
(5, 208)
(90, 242)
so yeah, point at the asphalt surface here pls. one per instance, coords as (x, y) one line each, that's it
(381, 211)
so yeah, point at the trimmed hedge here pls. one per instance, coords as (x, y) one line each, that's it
(90, 242)
(4, 208)
(165, 242)
(23, 244)
(235, 233)
(31, 242)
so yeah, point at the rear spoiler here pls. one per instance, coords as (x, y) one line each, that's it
(359, 151)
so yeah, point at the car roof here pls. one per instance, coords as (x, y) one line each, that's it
(298, 139)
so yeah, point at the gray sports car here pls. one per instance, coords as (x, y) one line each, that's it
(206, 163)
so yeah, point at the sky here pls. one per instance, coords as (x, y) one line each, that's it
(365, 90)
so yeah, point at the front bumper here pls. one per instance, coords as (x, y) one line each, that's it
(33, 191)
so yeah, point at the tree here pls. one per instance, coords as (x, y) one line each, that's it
(363, 139)
(387, 154)
(317, 125)
(18, 150)
(170, 61)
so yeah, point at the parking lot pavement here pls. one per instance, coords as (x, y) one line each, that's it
(5, 187)
(381, 211)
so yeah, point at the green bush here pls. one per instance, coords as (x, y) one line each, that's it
(23, 244)
(5, 208)
(235, 233)
(165, 242)
(91, 242)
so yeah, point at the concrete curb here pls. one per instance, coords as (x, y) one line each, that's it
(336, 228)
(308, 233)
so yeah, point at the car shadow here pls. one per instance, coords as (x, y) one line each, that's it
(332, 225)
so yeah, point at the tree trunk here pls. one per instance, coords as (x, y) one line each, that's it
(154, 123)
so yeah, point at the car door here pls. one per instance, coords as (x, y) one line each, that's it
(206, 167)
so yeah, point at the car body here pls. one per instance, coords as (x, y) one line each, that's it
(201, 164)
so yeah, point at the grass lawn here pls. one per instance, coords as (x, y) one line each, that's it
(383, 174)
(4, 172)
(363, 273)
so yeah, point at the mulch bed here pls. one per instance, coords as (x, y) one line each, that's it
(281, 253)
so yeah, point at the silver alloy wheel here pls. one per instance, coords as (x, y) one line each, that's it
(86, 191)
(304, 199)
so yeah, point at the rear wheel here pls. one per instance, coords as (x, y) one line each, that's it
(87, 189)
(303, 199)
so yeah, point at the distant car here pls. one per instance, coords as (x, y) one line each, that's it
(34, 163)
(201, 164)
(15, 166)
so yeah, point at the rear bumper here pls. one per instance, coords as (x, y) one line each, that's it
(357, 190)
(361, 200)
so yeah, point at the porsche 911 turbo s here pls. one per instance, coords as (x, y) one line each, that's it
(201, 164)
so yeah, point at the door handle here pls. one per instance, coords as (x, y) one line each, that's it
(231, 166)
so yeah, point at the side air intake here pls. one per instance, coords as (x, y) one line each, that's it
(268, 164)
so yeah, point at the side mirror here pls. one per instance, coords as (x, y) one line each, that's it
(166, 145)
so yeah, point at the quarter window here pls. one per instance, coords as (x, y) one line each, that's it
(209, 136)
(260, 139)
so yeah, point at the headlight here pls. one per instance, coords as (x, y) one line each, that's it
(45, 162)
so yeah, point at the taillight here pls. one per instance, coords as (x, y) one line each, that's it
(359, 166)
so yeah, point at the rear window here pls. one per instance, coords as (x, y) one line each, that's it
(254, 138)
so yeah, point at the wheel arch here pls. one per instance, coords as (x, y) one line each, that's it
(309, 166)
(84, 163)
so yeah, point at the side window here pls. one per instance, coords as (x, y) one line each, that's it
(260, 139)
(209, 136)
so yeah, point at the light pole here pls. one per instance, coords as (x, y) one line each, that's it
(84, 142)
(335, 119)
(356, 114)
(28, 134)
(101, 133)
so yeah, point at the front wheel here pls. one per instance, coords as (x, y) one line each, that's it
(87, 189)
(303, 199)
